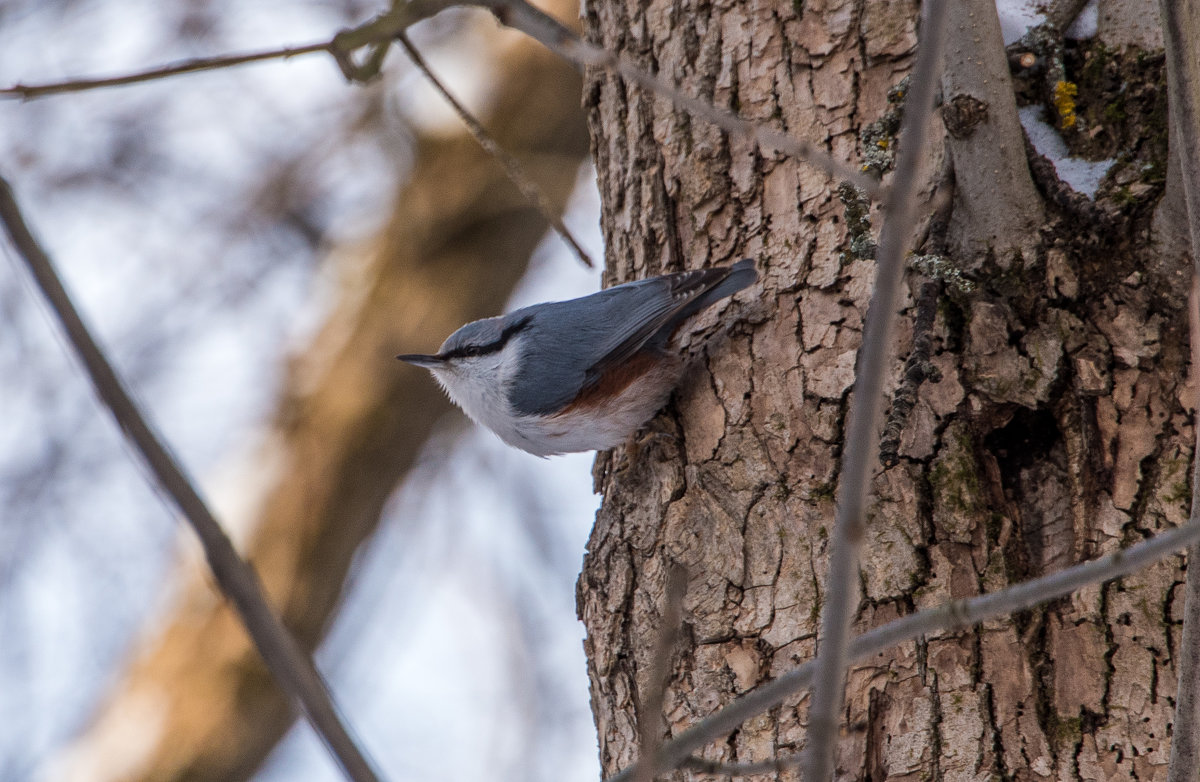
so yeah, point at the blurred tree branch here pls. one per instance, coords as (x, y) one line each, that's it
(291, 668)
(1183, 83)
(351, 422)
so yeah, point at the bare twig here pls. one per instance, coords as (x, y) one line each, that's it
(376, 34)
(29, 91)
(291, 667)
(650, 719)
(841, 586)
(948, 617)
(1183, 100)
(512, 166)
(1185, 741)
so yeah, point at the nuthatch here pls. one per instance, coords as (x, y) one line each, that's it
(583, 374)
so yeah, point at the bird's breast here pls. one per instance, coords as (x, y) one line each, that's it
(609, 411)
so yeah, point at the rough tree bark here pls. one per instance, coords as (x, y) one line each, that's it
(349, 425)
(1052, 426)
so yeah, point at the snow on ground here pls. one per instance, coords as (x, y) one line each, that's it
(1017, 16)
(1087, 23)
(1082, 175)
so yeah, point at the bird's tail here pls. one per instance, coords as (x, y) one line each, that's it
(740, 275)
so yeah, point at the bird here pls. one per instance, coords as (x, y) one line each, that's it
(583, 374)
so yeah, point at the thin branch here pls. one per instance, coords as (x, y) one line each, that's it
(841, 585)
(1183, 100)
(947, 618)
(650, 721)
(376, 34)
(512, 166)
(522, 16)
(291, 667)
(1184, 765)
(29, 91)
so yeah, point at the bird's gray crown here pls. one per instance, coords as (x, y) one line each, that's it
(481, 337)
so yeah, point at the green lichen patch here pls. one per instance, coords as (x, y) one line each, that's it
(877, 141)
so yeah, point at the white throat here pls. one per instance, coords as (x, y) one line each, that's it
(479, 385)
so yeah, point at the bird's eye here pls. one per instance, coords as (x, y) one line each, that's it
(471, 351)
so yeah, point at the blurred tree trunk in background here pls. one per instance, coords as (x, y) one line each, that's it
(1053, 428)
(348, 426)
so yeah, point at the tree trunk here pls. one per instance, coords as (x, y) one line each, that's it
(1053, 425)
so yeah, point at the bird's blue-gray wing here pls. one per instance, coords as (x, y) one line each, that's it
(578, 341)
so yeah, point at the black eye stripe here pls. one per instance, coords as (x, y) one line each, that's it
(470, 351)
(473, 350)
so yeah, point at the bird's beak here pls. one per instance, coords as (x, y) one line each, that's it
(422, 360)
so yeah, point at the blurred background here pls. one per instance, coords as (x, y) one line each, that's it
(252, 246)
